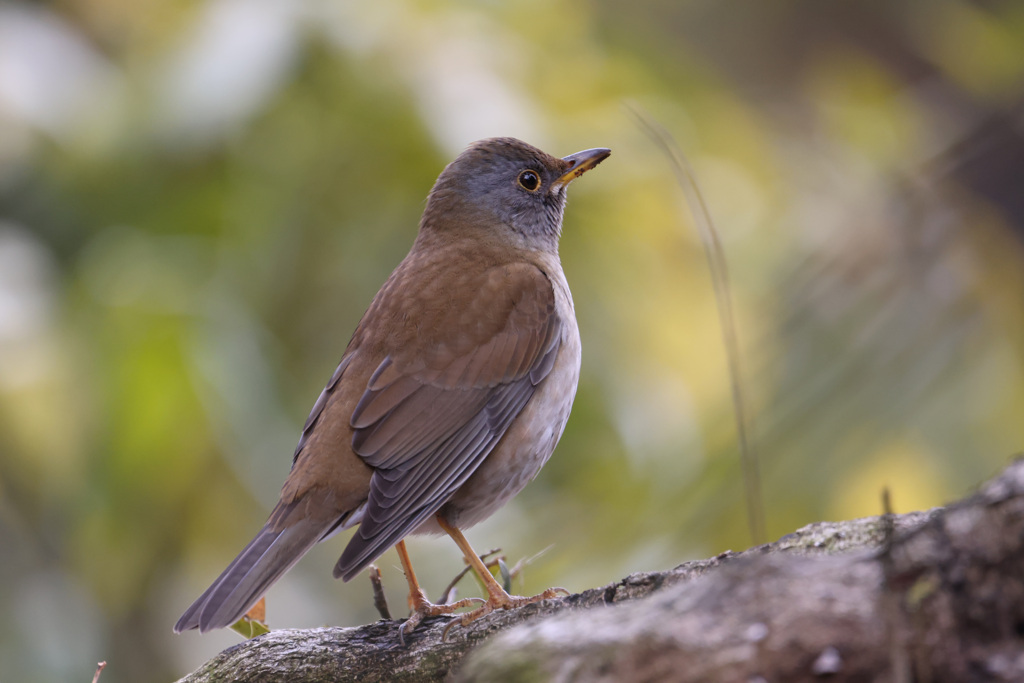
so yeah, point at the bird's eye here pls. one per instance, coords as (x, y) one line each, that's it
(529, 180)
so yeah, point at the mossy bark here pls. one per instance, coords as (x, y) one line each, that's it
(934, 596)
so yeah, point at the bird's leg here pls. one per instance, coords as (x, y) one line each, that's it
(419, 606)
(497, 597)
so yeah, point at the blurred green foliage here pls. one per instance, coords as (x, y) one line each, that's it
(198, 200)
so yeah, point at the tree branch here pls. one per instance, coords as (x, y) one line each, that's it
(939, 597)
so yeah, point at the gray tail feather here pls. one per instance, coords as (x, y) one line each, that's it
(360, 551)
(247, 578)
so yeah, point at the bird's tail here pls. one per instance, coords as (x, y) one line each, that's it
(277, 547)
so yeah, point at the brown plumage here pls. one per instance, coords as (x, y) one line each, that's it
(452, 393)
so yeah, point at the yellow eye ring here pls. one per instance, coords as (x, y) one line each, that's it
(529, 180)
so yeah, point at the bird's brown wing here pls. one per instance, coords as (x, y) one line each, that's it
(434, 409)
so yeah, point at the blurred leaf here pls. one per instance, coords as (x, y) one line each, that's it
(253, 623)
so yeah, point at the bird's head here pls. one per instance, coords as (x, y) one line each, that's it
(507, 189)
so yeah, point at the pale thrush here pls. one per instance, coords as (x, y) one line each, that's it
(452, 394)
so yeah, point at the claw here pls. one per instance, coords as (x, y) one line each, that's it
(423, 608)
(448, 627)
(499, 600)
(410, 623)
(498, 597)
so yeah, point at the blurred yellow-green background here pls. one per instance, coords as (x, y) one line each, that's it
(199, 198)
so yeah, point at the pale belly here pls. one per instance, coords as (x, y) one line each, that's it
(523, 450)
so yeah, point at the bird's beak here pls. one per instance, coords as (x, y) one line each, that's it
(581, 163)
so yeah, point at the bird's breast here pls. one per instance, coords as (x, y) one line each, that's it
(533, 435)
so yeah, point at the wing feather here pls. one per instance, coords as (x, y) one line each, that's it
(426, 422)
(318, 407)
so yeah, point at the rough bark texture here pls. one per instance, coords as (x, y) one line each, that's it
(925, 597)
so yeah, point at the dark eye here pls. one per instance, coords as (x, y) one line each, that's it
(529, 180)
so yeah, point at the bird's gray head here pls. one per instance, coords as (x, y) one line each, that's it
(507, 186)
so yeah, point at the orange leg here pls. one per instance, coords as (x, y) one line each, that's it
(497, 597)
(420, 607)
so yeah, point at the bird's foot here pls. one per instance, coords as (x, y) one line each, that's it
(499, 599)
(421, 608)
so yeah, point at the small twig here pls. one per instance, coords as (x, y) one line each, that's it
(523, 563)
(899, 657)
(446, 594)
(718, 267)
(888, 522)
(380, 601)
(507, 575)
(99, 669)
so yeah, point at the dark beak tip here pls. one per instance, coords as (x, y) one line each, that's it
(581, 162)
(594, 156)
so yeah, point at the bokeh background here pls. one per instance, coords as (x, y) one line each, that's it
(199, 198)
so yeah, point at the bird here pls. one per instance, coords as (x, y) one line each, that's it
(450, 397)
